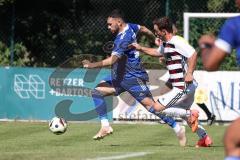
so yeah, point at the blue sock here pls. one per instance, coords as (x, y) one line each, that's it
(100, 104)
(169, 120)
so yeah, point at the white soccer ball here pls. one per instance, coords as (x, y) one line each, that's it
(58, 125)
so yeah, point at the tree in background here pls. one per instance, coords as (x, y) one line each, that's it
(53, 31)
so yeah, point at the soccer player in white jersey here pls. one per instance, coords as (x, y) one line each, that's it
(180, 60)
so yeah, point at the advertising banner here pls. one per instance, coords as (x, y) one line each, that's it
(220, 91)
(42, 93)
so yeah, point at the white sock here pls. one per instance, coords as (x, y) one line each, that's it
(201, 132)
(177, 128)
(105, 123)
(176, 112)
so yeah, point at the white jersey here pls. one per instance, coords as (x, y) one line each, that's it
(176, 51)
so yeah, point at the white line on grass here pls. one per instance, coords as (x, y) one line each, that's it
(123, 156)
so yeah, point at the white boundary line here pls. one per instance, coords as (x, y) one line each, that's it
(123, 156)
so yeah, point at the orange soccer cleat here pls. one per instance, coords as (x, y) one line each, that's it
(205, 142)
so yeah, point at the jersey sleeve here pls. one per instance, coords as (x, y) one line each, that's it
(160, 50)
(134, 27)
(184, 47)
(121, 46)
(226, 36)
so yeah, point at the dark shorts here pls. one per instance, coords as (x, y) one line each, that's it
(136, 87)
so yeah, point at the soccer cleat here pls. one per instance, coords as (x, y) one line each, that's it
(211, 119)
(204, 142)
(193, 120)
(103, 132)
(182, 137)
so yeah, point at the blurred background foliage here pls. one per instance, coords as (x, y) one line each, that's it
(48, 33)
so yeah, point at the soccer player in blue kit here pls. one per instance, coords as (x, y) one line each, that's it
(127, 75)
(228, 38)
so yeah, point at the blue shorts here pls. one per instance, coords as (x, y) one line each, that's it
(135, 86)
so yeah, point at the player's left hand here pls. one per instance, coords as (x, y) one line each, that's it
(189, 78)
(87, 64)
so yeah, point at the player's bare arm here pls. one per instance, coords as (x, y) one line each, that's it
(150, 35)
(192, 61)
(106, 62)
(149, 51)
(212, 60)
(147, 32)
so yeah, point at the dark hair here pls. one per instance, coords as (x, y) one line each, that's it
(116, 13)
(164, 23)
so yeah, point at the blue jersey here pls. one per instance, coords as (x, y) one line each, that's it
(129, 65)
(232, 158)
(229, 36)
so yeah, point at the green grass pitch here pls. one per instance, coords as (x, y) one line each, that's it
(33, 141)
